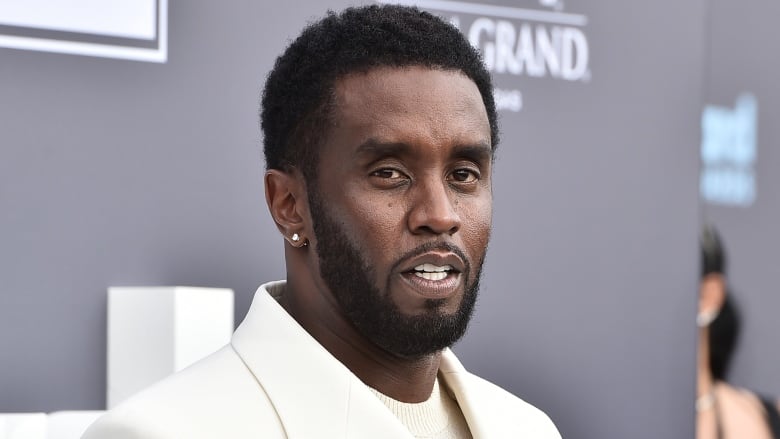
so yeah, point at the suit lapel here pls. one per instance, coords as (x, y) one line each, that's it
(314, 394)
(477, 414)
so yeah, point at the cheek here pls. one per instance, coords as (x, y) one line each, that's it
(372, 224)
(476, 227)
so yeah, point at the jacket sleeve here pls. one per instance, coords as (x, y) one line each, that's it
(118, 426)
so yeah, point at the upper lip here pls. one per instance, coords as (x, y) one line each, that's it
(436, 258)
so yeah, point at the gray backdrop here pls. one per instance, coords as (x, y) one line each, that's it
(128, 173)
(743, 59)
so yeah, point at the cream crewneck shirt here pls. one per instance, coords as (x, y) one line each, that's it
(439, 417)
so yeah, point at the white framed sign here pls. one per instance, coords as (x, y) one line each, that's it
(125, 29)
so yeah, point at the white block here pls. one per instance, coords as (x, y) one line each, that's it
(70, 424)
(22, 426)
(156, 331)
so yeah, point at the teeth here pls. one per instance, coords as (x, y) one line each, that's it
(430, 268)
(440, 275)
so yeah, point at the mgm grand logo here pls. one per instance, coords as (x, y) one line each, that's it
(540, 42)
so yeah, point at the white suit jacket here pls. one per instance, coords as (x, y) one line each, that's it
(275, 381)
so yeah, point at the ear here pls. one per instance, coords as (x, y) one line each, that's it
(712, 294)
(285, 195)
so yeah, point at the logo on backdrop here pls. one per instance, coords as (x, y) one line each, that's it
(729, 152)
(542, 41)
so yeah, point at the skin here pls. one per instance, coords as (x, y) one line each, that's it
(408, 162)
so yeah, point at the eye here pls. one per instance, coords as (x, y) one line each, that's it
(388, 173)
(464, 175)
(388, 178)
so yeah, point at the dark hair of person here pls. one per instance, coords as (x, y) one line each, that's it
(724, 330)
(723, 335)
(298, 99)
(713, 256)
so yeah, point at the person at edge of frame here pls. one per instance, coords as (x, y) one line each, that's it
(723, 410)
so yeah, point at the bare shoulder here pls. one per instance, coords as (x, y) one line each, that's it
(737, 398)
(216, 397)
(742, 412)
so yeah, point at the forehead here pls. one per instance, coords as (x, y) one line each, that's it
(426, 104)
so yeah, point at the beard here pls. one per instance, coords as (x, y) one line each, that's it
(372, 311)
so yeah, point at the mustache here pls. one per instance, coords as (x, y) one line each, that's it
(435, 246)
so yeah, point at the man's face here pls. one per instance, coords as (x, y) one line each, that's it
(402, 205)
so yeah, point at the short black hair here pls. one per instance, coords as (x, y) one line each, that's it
(297, 101)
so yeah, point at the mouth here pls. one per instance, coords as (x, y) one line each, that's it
(434, 275)
(432, 272)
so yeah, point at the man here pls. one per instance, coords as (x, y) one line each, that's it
(380, 130)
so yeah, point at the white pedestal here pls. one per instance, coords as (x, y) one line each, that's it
(23, 426)
(70, 424)
(156, 331)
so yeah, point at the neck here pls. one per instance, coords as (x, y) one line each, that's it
(704, 380)
(316, 310)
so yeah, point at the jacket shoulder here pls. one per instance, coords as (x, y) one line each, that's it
(519, 418)
(215, 397)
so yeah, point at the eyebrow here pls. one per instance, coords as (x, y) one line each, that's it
(377, 148)
(480, 152)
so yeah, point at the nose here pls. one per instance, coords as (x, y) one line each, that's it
(433, 210)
